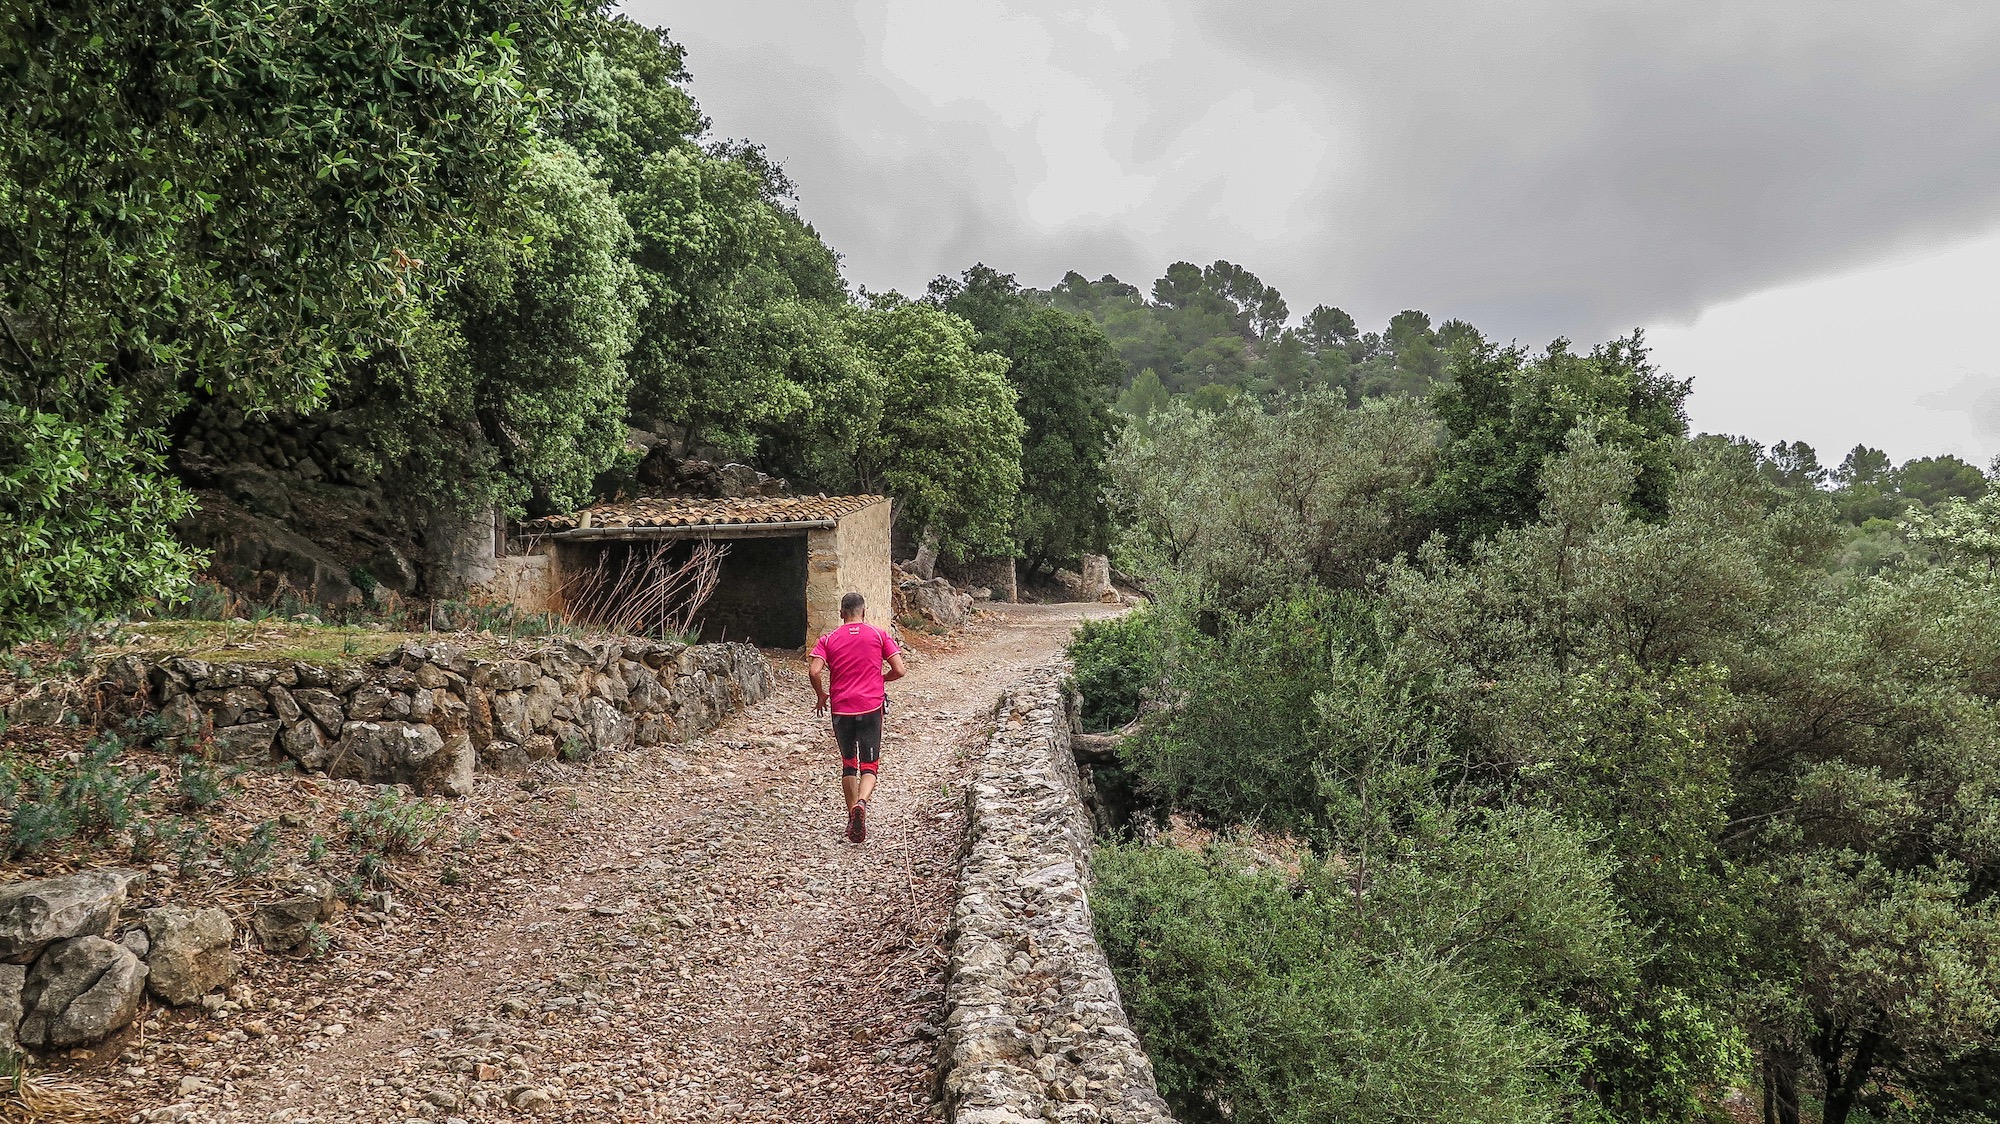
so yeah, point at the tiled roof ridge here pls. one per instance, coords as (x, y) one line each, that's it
(692, 511)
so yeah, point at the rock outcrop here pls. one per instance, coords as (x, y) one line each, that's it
(1034, 1026)
(938, 600)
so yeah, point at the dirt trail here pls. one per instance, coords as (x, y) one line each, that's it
(695, 941)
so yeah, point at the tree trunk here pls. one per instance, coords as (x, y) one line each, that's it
(1781, 1086)
(924, 565)
(1841, 1091)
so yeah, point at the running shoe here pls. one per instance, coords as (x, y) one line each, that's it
(857, 824)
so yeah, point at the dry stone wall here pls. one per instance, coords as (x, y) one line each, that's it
(1035, 1030)
(428, 716)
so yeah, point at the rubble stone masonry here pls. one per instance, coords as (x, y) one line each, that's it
(1035, 1030)
(429, 715)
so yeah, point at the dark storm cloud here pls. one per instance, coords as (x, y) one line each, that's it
(1535, 168)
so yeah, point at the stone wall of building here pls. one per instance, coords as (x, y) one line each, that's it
(429, 715)
(852, 556)
(1034, 1028)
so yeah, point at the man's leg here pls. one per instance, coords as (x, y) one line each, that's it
(868, 756)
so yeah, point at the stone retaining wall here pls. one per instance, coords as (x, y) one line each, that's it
(1035, 1030)
(428, 715)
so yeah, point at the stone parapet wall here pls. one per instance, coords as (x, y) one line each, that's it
(429, 715)
(1035, 1030)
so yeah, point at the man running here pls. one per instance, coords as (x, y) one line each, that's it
(853, 654)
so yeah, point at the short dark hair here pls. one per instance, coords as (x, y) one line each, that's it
(852, 603)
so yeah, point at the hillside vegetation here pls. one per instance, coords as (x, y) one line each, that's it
(1510, 755)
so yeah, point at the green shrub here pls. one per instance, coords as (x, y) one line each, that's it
(187, 842)
(1264, 998)
(1237, 745)
(1117, 664)
(253, 856)
(393, 825)
(51, 803)
(201, 784)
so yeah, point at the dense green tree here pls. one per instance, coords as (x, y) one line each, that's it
(232, 198)
(517, 394)
(719, 250)
(1506, 413)
(1252, 505)
(1934, 480)
(1066, 375)
(1795, 465)
(949, 444)
(1145, 397)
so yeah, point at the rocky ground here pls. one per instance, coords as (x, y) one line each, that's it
(672, 934)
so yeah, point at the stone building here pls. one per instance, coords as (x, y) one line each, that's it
(788, 561)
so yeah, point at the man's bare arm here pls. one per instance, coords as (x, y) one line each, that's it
(816, 671)
(895, 668)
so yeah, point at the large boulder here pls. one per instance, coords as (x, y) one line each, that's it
(80, 990)
(190, 953)
(35, 915)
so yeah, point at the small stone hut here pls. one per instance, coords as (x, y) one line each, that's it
(789, 558)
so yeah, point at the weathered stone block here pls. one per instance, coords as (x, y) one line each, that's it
(79, 991)
(34, 915)
(506, 675)
(369, 703)
(286, 925)
(510, 716)
(282, 704)
(248, 744)
(189, 953)
(13, 978)
(303, 743)
(324, 706)
(609, 728)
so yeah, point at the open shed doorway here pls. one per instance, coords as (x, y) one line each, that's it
(751, 589)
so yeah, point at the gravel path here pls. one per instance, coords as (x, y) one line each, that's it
(677, 934)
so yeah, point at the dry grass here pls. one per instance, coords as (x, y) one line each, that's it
(40, 1098)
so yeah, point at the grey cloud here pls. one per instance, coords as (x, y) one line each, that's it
(1536, 168)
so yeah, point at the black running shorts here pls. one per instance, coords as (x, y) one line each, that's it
(860, 738)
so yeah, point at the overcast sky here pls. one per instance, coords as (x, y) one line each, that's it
(1801, 201)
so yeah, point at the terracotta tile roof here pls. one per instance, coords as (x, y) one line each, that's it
(695, 511)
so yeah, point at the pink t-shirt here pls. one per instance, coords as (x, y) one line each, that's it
(854, 654)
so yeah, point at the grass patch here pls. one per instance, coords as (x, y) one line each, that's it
(234, 642)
